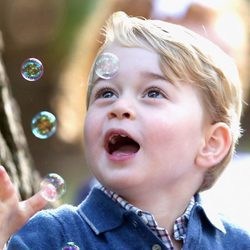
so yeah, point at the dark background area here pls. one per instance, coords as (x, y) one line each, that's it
(44, 30)
(47, 31)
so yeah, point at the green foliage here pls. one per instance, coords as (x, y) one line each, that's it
(75, 14)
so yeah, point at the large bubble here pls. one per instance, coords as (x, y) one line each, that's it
(43, 125)
(52, 187)
(107, 65)
(32, 69)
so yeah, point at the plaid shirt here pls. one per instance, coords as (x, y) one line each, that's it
(180, 225)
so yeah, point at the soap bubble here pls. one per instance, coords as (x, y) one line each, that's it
(43, 125)
(52, 187)
(32, 69)
(71, 246)
(107, 65)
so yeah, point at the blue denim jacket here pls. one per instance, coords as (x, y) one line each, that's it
(99, 223)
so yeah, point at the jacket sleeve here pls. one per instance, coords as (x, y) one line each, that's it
(43, 231)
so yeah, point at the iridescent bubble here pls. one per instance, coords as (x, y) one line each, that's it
(52, 187)
(107, 65)
(43, 125)
(32, 69)
(71, 246)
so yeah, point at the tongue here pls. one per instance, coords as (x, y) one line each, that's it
(125, 150)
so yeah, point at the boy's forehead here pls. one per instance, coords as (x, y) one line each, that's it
(116, 59)
(107, 66)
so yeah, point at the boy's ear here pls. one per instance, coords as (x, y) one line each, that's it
(216, 144)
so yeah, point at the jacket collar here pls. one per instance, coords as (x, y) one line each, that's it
(102, 219)
(212, 216)
(98, 211)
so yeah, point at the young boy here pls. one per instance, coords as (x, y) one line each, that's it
(164, 106)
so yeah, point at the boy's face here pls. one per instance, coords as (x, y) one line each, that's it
(142, 131)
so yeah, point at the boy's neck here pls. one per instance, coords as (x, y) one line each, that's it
(166, 206)
(164, 209)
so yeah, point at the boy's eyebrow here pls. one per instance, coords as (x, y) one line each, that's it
(154, 76)
(145, 75)
(96, 80)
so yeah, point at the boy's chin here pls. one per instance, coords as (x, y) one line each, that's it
(119, 183)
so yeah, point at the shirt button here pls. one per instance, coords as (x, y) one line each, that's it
(139, 213)
(156, 247)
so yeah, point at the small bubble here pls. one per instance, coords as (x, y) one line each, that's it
(32, 69)
(52, 187)
(43, 125)
(71, 246)
(107, 65)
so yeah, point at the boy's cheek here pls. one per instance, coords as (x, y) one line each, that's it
(87, 134)
(91, 132)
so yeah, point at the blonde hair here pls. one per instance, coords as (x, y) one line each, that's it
(188, 57)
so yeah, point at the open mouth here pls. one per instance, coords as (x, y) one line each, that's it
(121, 144)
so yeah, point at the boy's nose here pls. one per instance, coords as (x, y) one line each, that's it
(122, 110)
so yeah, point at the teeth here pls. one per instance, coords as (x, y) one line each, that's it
(113, 138)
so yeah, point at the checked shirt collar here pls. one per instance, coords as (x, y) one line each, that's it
(180, 225)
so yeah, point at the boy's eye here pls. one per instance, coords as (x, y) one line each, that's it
(105, 93)
(154, 93)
